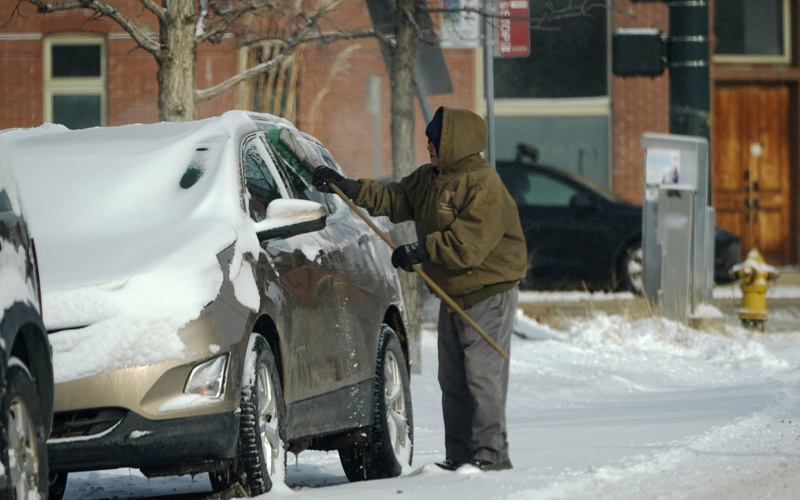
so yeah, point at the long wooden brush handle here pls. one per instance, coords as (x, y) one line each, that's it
(433, 286)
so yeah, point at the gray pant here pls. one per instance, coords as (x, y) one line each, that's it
(473, 377)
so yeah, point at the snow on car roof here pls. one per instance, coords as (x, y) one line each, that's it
(128, 222)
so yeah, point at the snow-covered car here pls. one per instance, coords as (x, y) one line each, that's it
(26, 371)
(209, 310)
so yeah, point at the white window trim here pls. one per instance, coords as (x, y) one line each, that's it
(73, 85)
(571, 106)
(786, 58)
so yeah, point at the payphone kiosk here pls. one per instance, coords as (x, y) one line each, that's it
(677, 223)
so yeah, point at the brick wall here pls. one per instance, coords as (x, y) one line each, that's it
(21, 101)
(640, 104)
(331, 100)
(132, 89)
(333, 89)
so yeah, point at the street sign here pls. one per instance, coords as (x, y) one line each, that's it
(513, 29)
(460, 29)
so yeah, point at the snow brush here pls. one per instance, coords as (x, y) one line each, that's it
(287, 145)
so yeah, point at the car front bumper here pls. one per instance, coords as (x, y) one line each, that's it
(176, 446)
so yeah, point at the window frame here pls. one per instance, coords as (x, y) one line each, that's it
(785, 58)
(600, 107)
(80, 86)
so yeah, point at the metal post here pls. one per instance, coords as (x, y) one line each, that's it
(689, 93)
(689, 110)
(488, 76)
(374, 108)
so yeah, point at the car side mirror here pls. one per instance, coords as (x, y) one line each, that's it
(287, 218)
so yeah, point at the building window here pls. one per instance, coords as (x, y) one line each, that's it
(557, 98)
(74, 88)
(568, 59)
(755, 31)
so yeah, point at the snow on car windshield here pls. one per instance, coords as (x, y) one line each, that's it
(128, 223)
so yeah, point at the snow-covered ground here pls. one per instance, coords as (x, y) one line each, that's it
(606, 407)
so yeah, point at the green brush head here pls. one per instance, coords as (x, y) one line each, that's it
(292, 151)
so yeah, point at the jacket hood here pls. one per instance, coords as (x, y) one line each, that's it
(463, 134)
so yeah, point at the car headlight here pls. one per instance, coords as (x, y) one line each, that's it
(208, 379)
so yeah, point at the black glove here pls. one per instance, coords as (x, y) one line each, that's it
(409, 254)
(326, 175)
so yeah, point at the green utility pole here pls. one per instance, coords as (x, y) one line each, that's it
(688, 56)
(685, 51)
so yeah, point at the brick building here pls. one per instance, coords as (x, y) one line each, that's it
(561, 99)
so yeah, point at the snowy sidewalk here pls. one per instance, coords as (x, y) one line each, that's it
(603, 407)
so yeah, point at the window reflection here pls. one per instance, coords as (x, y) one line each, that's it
(749, 27)
(259, 181)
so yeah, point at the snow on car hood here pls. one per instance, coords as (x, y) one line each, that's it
(128, 223)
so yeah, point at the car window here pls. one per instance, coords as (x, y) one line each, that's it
(259, 180)
(299, 186)
(546, 191)
(5, 202)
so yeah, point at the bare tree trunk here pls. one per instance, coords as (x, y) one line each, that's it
(177, 60)
(402, 83)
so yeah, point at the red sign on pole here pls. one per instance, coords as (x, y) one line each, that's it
(513, 29)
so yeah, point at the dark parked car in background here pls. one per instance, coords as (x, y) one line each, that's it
(26, 371)
(580, 235)
(209, 310)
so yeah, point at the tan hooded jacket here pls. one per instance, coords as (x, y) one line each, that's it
(462, 210)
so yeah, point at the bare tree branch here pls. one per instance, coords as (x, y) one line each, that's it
(303, 34)
(248, 74)
(551, 14)
(156, 9)
(321, 38)
(103, 9)
(228, 18)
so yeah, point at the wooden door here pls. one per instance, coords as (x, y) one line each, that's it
(750, 172)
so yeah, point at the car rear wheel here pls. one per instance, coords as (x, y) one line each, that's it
(630, 269)
(390, 441)
(26, 428)
(58, 485)
(261, 459)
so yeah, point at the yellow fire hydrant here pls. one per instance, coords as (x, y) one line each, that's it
(754, 276)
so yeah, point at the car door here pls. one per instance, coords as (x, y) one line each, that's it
(363, 261)
(311, 366)
(344, 256)
(563, 226)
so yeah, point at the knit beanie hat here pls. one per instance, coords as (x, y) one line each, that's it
(434, 130)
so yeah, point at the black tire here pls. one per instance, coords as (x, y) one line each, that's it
(58, 485)
(25, 433)
(630, 270)
(391, 437)
(261, 458)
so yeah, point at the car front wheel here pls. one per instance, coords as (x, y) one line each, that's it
(391, 437)
(630, 270)
(26, 428)
(261, 458)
